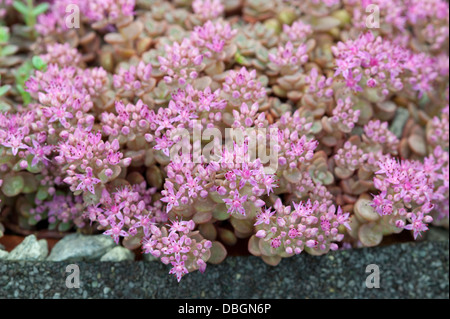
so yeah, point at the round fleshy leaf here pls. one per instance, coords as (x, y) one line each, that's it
(242, 225)
(216, 197)
(343, 173)
(326, 23)
(135, 178)
(417, 144)
(132, 242)
(132, 31)
(253, 246)
(292, 175)
(315, 252)
(30, 183)
(154, 176)
(208, 231)
(370, 235)
(220, 212)
(365, 211)
(63, 227)
(354, 224)
(271, 260)
(32, 221)
(265, 248)
(202, 217)
(227, 237)
(13, 185)
(42, 193)
(204, 205)
(114, 38)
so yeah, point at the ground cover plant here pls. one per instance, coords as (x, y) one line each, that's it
(183, 128)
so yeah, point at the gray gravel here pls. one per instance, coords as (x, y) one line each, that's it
(410, 270)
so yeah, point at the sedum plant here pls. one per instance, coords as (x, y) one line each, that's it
(183, 128)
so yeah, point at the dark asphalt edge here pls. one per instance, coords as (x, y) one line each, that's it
(408, 270)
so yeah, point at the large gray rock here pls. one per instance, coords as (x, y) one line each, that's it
(29, 249)
(118, 253)
(76, 247)
(3, 254)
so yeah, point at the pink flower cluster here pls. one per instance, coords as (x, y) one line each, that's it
(320, 86)
(110, 10)
(374, 62)
(377, 132)
(90, 160)
(212, 37)
(410, 190)
(54, 22)
(62, 208)
(136, 81)
(289, 58)
(298, 32)
(344, 117)
(178, 246)
(62, 55)
(438, 129)
(66, 95)
(141, 147)
(127, 211)
(427, 20)
(16, 133)
(308, 226)
(185, 107)
(350, 157)
(242, 86)
(208, 9)
(182, 63)
(129, 123)
(231, 179)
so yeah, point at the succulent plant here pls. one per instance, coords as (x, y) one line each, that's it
(186, 127)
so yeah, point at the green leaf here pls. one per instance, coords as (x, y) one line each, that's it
(12, 185)
(26, 97)
(38, 63)
(4, 107)
(8, 50)
(4, 35)
(21, 7)
(42, 193)
(4, 89)
(41, 8)
(32, 221)
(62, 227)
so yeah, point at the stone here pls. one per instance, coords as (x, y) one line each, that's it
(75, 247)
(30, 249)
(118, 253)
(3, 254)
